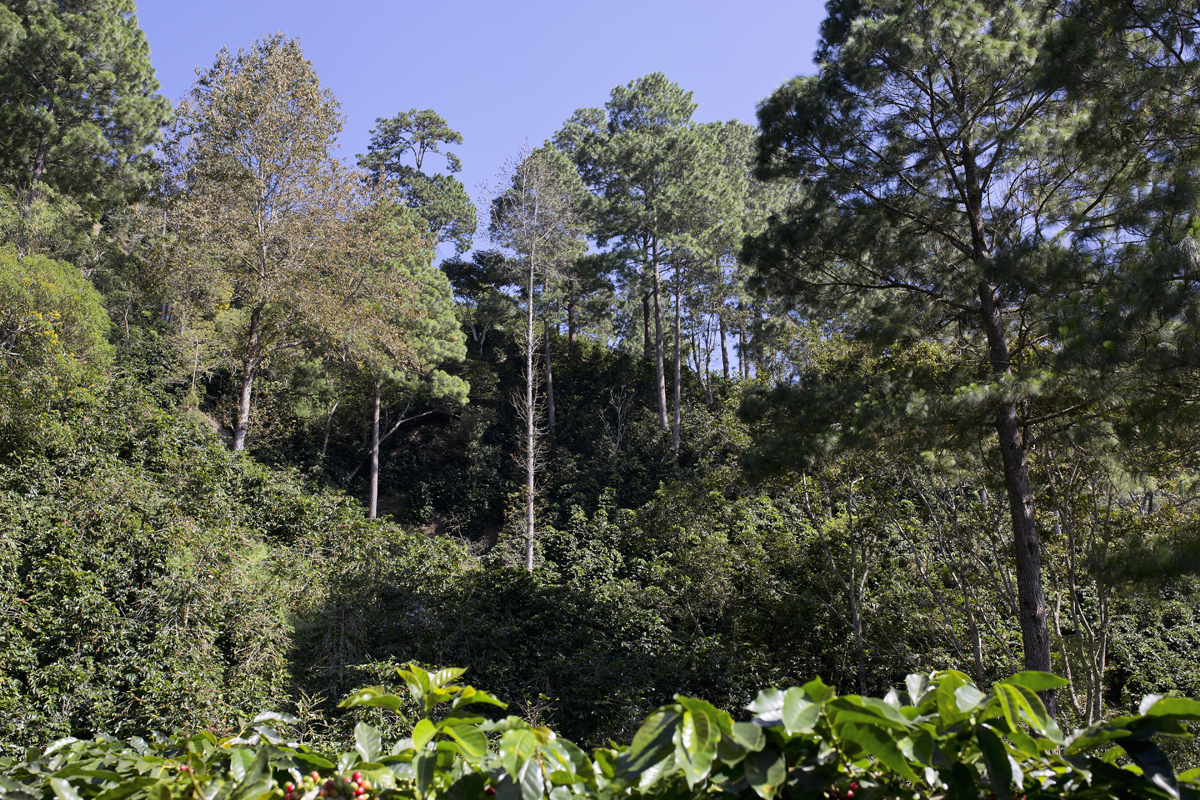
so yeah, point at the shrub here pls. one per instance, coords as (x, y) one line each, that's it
(941, 738)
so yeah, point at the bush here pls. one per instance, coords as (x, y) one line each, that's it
(941, 738)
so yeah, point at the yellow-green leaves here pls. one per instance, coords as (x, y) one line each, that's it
(372, 696)
(696, 737)
(1020, 704)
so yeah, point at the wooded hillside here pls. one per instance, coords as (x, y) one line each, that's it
(900, 380)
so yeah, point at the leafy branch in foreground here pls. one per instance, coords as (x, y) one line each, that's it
(942, 737)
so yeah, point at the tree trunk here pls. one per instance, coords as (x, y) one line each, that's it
(678, 358)
(549, 370)
(724, 348)
(860, 646)
(529, 427)
(698, 344)
(328, 424)
(1035, 634)
(249, 370)
(743, 368)
(243, 417)
(659, 370)
(571, 325)
(647, 349)
(39, 169)
(976, 639)
(373, 501)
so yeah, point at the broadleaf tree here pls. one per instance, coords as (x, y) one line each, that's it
(254, 179)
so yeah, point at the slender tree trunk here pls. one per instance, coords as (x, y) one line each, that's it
(39, 169)
(249, 370)
(647, 348)
(195, 357)
(678, 357)
(660, 371)
(571, 325)
(700, 343)
(973, 632)
(724, 347)
(860, 646)
(373, 502)
(1035, 633)
(243, 418)
(743, 365)
(328, 425)
(482, 338)
(529, 423)
(708, 360)
(549, 368)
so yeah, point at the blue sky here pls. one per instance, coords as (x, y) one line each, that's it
(501, 73)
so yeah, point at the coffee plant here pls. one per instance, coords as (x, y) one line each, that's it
(941, 738)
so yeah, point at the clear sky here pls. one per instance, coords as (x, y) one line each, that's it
(501, 73)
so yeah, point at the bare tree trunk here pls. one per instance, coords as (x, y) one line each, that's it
(373, 502)
(860, 646)
(1035, 634)
(529, 423)
(571, 324)
(973, 632)
(647, 349)
(700, 344)
(724, 348)
(549, 368)
(195, 357)
(660, 372)
(328, 424)
(243, 416)
(678, 356)
(743, 367)
(249, 370)
(39, 169)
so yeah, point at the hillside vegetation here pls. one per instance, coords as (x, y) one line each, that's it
(899, 383)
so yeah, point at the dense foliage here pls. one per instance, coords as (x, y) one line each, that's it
(952, 425)
(940, 737)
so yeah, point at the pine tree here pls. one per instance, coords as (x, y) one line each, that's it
(79, 107)
(942, 194)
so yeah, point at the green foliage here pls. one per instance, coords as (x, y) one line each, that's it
(78, 101)
(150, 580)
(434, 334)
(440, 200)
(156, 580)
(54, 354)
(940, 737)
(53, 225)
